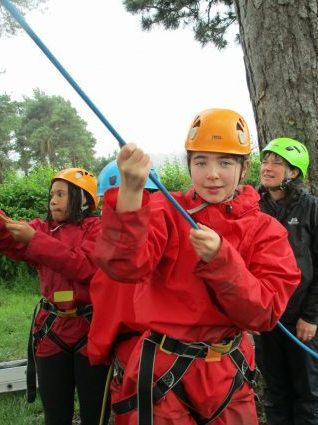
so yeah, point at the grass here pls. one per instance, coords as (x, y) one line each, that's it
(17, 302)
(16, 411)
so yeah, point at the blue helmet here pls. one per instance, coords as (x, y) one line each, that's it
(110, 177)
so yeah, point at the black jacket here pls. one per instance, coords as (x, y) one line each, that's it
(298, 213)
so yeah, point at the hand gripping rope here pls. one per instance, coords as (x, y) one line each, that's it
(19, 18)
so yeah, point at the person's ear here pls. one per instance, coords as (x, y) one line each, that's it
(293, 173)
(84, 199)
(245, 167)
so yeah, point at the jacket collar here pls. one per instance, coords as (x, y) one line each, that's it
(246, 200)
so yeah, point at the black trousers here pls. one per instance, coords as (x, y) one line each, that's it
(291, 377)
(58, 376)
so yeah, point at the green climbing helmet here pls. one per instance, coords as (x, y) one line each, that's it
(294, 152)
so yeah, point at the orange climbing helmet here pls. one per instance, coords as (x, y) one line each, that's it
(81, 178)
(219, 130)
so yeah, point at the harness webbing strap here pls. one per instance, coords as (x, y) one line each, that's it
(145, 382)
(31, 371)
(249, 375)
(82, 310)
(165, 383)
(195, 349)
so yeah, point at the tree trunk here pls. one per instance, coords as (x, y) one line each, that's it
(280, 44)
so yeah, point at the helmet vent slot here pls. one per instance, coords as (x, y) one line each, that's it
(292, 148)
(197, 122)
(78, 174)
(240, 125)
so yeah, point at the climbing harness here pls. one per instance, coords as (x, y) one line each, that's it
(46, 331)
(150, 391)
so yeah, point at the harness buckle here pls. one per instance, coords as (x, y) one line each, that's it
(67, 313)
(222, 348)
(215, 351)
(212, 356)
(161, 345)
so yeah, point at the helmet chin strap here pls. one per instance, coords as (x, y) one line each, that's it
(282, 187)
(235, 190)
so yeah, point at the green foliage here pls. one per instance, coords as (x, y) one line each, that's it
(24, 198)
(43, 130)
(52, 133)
(175, 176)
(10, 269)
(209, 19)
(8, 124)
(101, 162)
(252, 177)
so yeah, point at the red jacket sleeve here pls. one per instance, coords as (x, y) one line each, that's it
(9, 247)
(123, 240)
(254, 296)
(61, 256)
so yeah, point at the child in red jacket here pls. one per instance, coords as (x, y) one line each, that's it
(197, 291)
(106, 294)
(61, 248)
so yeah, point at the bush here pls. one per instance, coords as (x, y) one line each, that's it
(175, 176)
(24, 198)
(252, 177)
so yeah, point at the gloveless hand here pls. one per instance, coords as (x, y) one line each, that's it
(305, 331)
(134, 166)
(20, 231)
(206, 242)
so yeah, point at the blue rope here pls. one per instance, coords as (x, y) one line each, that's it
(20, 19)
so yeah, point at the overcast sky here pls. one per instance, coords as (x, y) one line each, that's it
(148, 85)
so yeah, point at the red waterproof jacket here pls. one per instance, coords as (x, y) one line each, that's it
(245, 287)
(113, 316)
(63, 257)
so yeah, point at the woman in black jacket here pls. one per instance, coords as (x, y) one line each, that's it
(291, 374)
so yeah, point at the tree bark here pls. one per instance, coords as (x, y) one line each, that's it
(280, 45)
